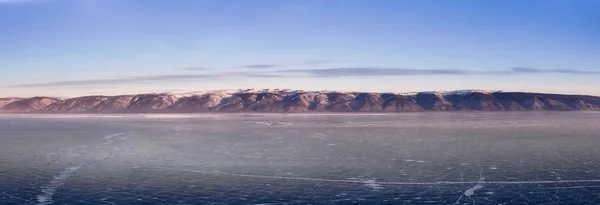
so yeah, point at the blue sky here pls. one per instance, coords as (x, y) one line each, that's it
(90, 47)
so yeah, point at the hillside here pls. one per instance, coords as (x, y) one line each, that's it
(289, 101)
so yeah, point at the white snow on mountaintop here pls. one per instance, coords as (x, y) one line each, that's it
(222, 92)
(237, 91)
(230, 92)
(454, 92)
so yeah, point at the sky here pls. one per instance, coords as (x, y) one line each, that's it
(107, 47)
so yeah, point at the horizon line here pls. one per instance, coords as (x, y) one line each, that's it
(257, 91)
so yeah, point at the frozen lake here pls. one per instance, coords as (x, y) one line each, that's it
(421, 158)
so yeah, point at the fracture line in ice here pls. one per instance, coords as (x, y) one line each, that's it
(113, 135)
(471, 191)
(58, 181)
(110, 137)
(379, 182)
(49, 189)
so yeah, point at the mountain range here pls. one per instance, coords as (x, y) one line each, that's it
(294, 101)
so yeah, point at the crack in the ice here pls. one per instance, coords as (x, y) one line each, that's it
(471, 191)
(49, 190)
(378, 182)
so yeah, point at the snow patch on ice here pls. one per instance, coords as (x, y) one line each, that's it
(272, 123)
(372, 184)
(108, 137)
(471, 191)
(412, 160)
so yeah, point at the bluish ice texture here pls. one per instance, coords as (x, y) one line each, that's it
(421, 158)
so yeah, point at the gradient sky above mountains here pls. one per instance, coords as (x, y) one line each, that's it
(89, 47)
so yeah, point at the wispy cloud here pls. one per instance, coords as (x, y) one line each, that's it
(154, 78)
(328, 72)
(378, 71)
(118, 80)
(526, 70)
(258, 66)
(564, 71)
(375, 71)
(280, 65)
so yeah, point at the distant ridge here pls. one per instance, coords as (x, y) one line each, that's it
(299, 101)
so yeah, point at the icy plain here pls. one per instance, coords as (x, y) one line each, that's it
(421, 158)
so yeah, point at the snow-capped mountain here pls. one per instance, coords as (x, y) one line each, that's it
(299, 101)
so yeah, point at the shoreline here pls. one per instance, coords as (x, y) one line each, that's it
(216, 114)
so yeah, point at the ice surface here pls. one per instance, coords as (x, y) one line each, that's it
(58, 181)
(441, 158)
